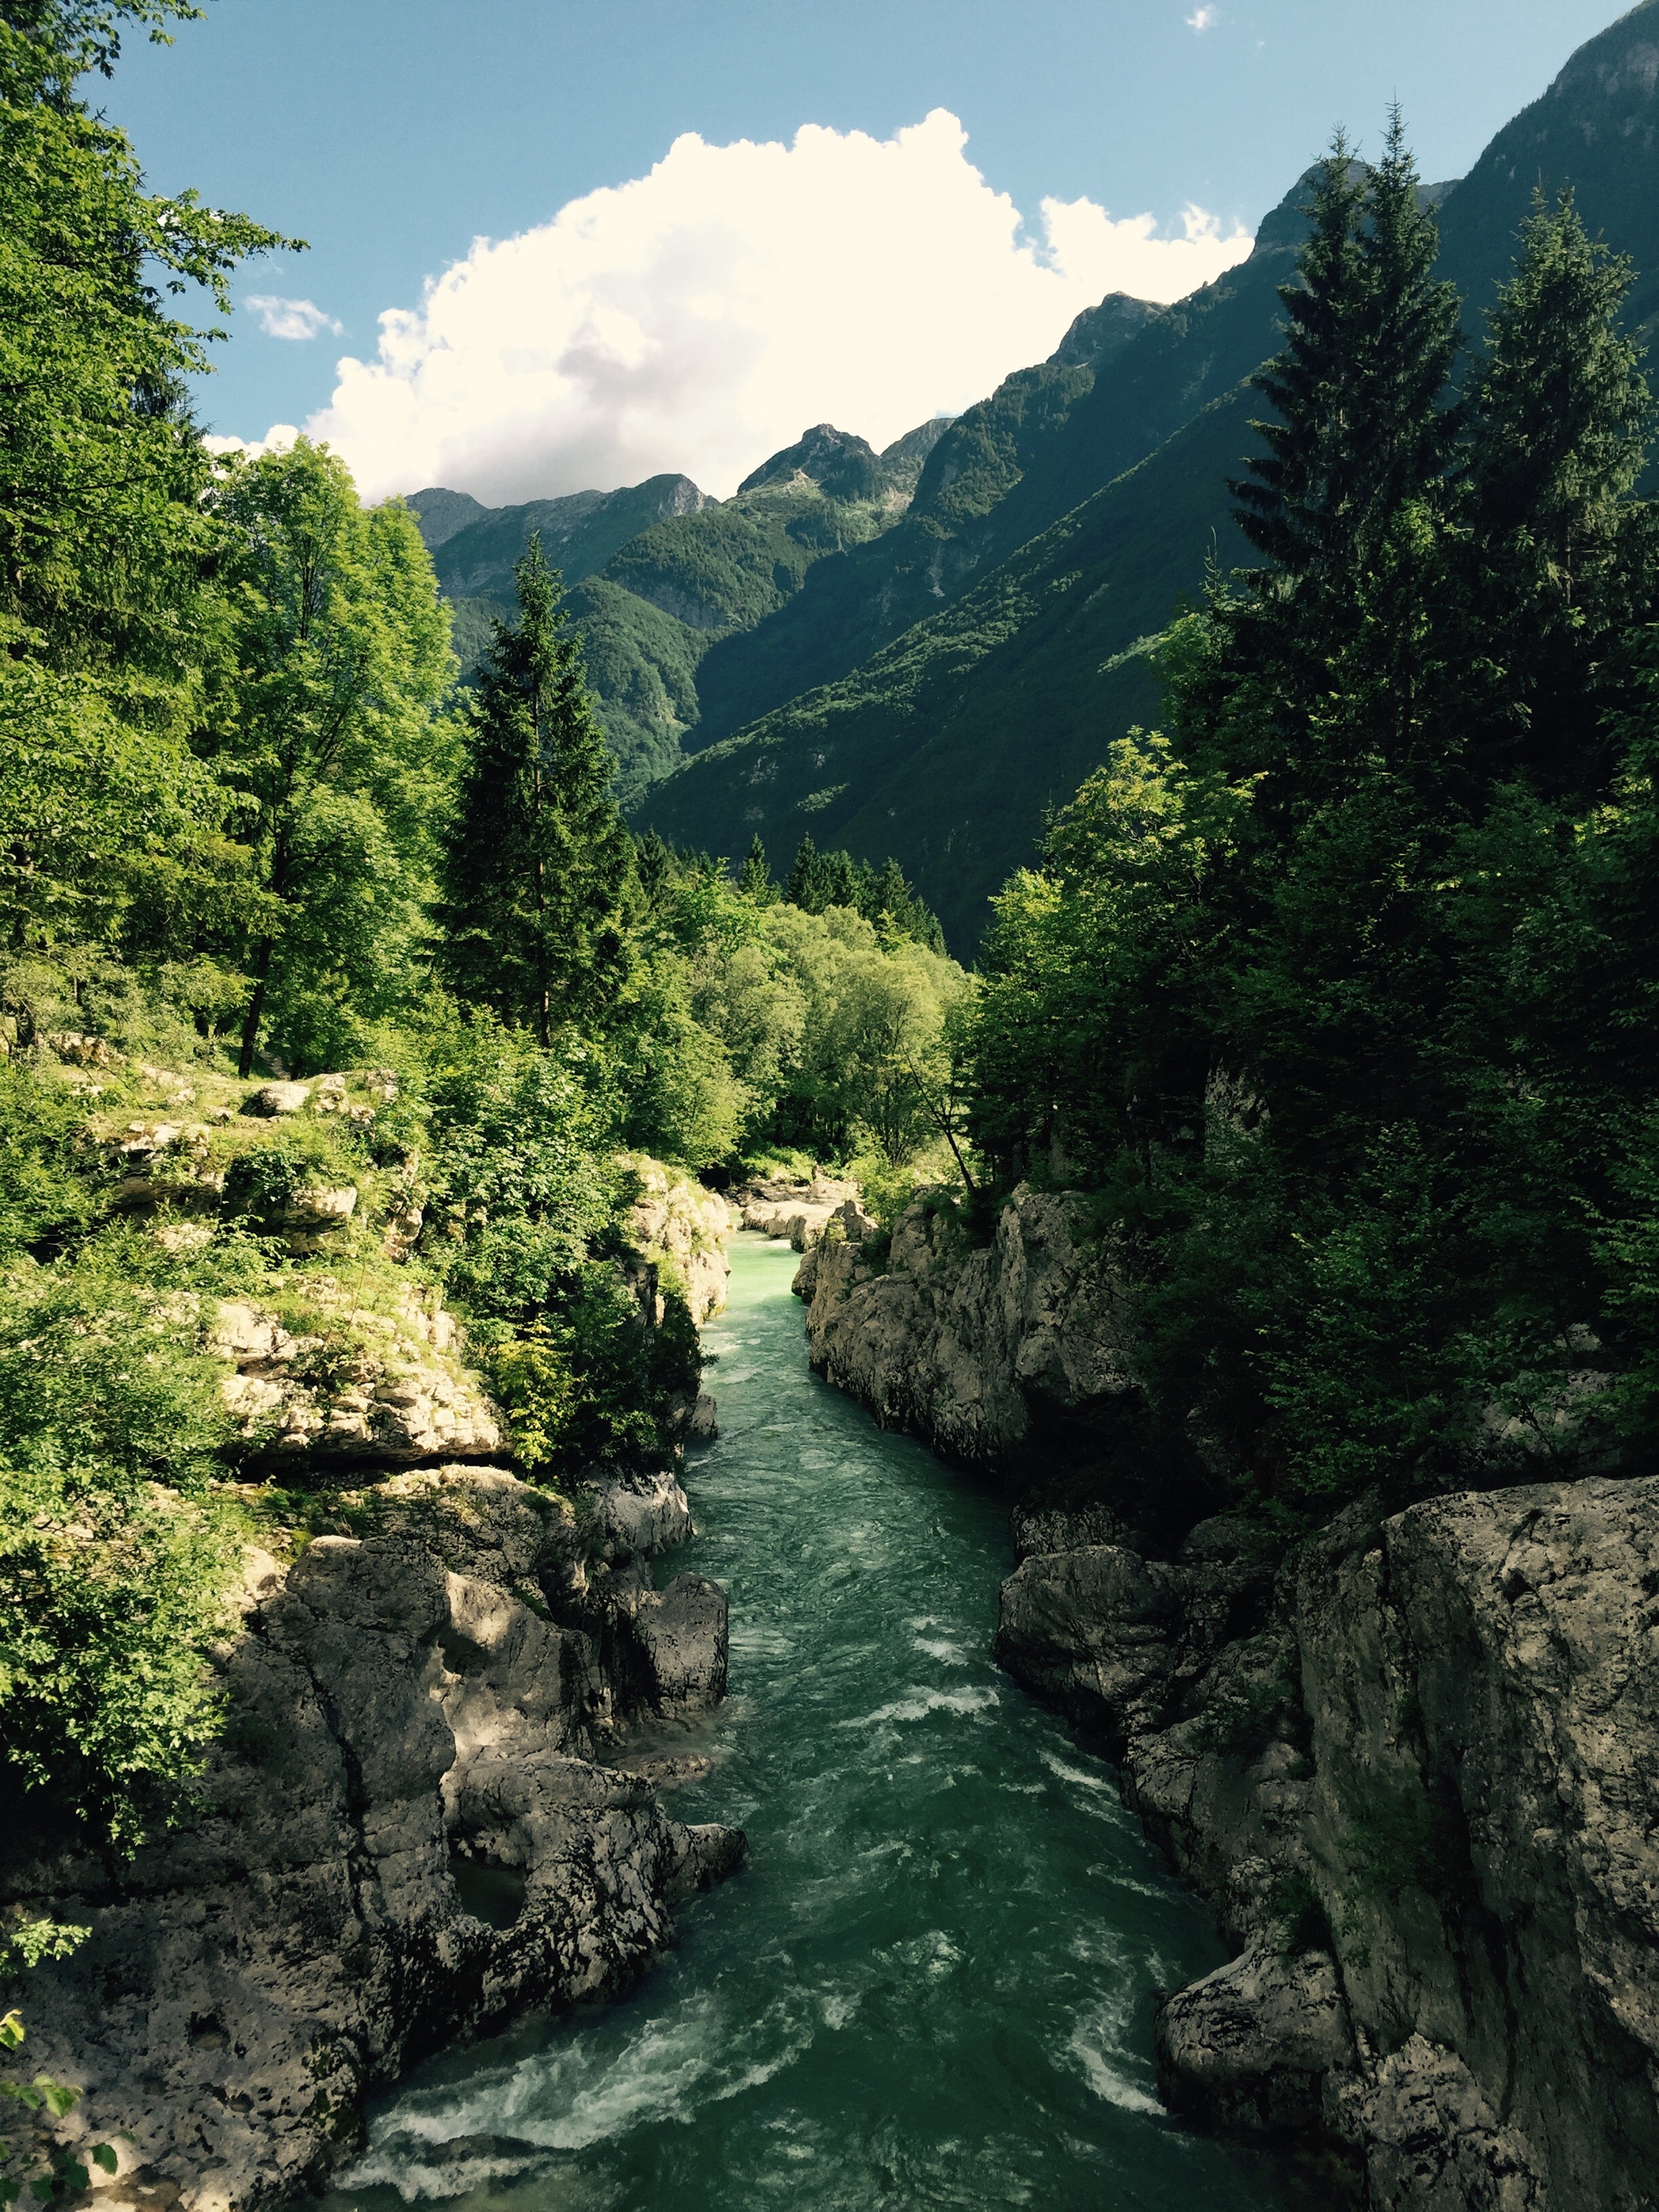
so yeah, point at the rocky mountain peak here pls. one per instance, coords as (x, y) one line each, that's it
(439, 513)
(842, 467)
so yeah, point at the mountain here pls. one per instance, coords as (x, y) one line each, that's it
(852, 605)
(579, 532)
(943, 740)
(657, 572)
(440, 513)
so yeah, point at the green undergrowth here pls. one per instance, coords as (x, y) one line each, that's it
(122, 1517)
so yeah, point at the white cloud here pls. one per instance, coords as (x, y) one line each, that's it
(1202, 19)
(290, 319)
(699, 318)
(277, 440)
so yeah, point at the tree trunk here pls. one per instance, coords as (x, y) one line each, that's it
(256, 1007)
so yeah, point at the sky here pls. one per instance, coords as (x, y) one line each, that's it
(554, 244)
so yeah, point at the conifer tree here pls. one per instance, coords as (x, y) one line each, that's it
(838, 880)
(1563, 558)
(1289, 502)
(803, 884)
(889, 897)
(1357, 388)
(540, 879)
(755, 878)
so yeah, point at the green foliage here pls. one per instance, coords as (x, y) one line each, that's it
(330, 735)
(1329, 994)
(113, 1597)
(517, 1175)
(103, 539)
(599, 1381)
(102, 1365)
(538, 869)
(45, 1192)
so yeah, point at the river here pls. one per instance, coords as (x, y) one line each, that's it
(932, 1986)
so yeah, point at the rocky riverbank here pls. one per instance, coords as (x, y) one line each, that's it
(1411, 1760)
(418, 1821)
(419, 1817)
(404, 1834)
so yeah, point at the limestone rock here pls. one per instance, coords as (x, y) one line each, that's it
(1439, 1748)
(1248, 2047)
(1116, 1639)
(409, 1398)
(1430, 2142)
(274, 1099)
(77, 1049)
(967, 1346)
(797, 1212)
(678, 1220)
(636, 1516)
(401, 1842)
(683, 1632)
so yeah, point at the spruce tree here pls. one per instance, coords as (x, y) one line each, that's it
(1289, 504)
(802, 887)
(540, 874)
(1563, 558)
(838, 881)
(1370, 337)
(755, 878)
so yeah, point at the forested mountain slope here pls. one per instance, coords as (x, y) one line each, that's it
(947, 746)
(660, 571)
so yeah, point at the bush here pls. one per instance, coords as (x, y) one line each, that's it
(109, 1600)
(44, 1192)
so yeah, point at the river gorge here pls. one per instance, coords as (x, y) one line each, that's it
(934, 1984)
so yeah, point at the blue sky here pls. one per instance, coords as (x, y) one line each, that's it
(392, 133)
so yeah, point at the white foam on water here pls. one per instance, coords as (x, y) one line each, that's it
(1098, 2048)
(919, 1703)
(571, 2096)
(1077, 1773)
(947, 1654)
(418, 2179)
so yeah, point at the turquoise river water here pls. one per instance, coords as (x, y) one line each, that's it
(932, 1986)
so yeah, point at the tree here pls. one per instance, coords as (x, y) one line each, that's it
(330, 735)
(1370, 337)
(1562, 559)
(755, 878)
(804, 885)
(104, 542)
(541, 886)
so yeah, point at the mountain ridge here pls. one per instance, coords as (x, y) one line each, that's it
(903, 752)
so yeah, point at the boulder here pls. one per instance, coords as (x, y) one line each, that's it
(1249, 2047)
(274, 1099)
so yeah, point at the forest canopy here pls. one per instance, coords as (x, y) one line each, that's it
(1337, 991)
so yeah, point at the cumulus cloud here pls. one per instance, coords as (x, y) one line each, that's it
(290, 319)
(1202, 19)
(699, 317)
(277, 440)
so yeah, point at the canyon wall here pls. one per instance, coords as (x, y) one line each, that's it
(1414, 1760)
